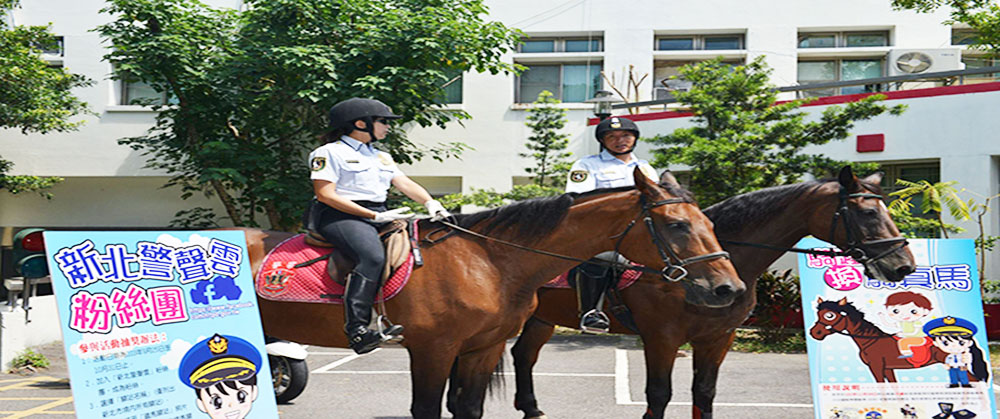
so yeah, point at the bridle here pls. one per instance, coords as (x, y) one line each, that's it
(672, 271)
(857, 248)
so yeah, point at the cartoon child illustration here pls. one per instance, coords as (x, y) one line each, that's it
(907, 308)
(953, 335)
(222, 370)
(909, 412)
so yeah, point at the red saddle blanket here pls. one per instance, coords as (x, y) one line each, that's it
(921, 353)
(280, 280)
(562, 281)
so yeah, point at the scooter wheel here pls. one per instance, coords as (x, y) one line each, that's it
(290, 377)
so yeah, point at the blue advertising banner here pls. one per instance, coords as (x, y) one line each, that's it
(160, 324)
(911, 349)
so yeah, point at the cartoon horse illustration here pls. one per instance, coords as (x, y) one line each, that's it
(876, 348)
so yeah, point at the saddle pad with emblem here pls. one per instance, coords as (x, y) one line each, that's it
(280, 280)
(562, 281)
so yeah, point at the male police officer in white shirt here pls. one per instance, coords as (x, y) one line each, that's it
(611, 168)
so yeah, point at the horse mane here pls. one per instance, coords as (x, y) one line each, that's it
(752, 208)
(533, 218)
(855, 315)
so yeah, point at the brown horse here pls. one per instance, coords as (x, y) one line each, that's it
(777, 217)
(472, 293)
(876, 348)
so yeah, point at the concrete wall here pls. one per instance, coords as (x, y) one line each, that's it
(20, 330)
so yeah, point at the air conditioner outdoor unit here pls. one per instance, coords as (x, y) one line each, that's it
(903, 62)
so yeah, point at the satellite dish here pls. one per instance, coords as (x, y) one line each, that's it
(914, 62)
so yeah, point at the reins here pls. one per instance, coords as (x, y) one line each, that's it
(673, 272)
(857, 249)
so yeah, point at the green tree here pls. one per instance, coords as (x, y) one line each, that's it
(546, 143)
(933, 197)
(982, 16)
(743, 140)
(252, 87)
(34, 97)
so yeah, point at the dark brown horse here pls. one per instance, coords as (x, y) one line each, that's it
(876, 348)
(472, 294)
(778, 217)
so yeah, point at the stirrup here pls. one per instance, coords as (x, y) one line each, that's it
(388, 331)
(595, 330)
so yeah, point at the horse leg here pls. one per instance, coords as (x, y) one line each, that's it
(890, 375)
(878, 371)
(474, 372)
(660, 353)
(454, 388)
(525, 353)
(429, 369)
(708, 356)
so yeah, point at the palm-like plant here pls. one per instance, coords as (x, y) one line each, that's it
(933, 196)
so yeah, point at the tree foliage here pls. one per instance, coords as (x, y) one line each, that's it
(34, 97)
(982, 16)
(933, 198)
(546, 144)
(743, 139)
(252, 87)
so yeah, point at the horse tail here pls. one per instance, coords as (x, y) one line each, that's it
(496, 382)
(979, 368)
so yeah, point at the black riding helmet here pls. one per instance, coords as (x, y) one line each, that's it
(343, 114)
(616, 123)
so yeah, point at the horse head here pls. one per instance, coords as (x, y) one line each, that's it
(854, 218)
(675, 236)
(832, 317)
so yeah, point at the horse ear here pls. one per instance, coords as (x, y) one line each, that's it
(843, 301)
(668, 178)
(875, 178)
(819, 300)
(847, 178)
(644, 184)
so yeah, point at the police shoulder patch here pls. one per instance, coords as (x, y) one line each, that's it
(385, 159)
(318, 163)
(578, 176)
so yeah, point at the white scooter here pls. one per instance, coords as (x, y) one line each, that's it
(288, 368)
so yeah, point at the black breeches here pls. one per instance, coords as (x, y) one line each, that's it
(355, 238)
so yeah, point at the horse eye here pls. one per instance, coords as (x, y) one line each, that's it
(679, 226)
(217, 402)
(869, 213)
(829, 315)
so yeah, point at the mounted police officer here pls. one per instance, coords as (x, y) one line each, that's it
(351, 180)
(611, 168)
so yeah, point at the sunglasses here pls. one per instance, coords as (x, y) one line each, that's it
(382, 121)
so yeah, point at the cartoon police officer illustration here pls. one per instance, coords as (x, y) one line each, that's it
(222, 370)
(954, 336)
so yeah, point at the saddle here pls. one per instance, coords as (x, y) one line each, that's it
(395, 238)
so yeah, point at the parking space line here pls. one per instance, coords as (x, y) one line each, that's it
(331, 353)
(27, 382)
(43, 409)
(340, 362)
(506, 374)
(622, 393)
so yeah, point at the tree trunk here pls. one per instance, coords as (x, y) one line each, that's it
(227, 201)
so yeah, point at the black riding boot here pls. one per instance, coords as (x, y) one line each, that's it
(359, 296)
(591, 282)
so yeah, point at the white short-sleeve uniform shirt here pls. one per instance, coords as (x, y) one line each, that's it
(360, 172)
(605, 171)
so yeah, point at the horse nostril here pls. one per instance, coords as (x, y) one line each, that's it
(723, 291)
(905, 270)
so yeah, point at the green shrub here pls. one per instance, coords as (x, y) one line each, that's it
(30, 357)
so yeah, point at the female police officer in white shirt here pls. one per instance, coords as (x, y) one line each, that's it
(351, 179)
(611, 168)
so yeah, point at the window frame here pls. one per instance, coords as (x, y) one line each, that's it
(698, 41)
(561, 81)
(657, 83)
(966, 33)
(838, 75)
(559, 44)
(840, 38)
(123, 93)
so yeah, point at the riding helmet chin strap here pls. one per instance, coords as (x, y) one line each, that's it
(369, 127)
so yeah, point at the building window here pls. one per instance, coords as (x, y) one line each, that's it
(664, 71)
(980, 62)
(452, 92)
(561, 45)
(51, 48)
(134, 92)
(699, 42)
(915, 172)
(843, 39)
(963, 36)
(822, 71)
(567, 82)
